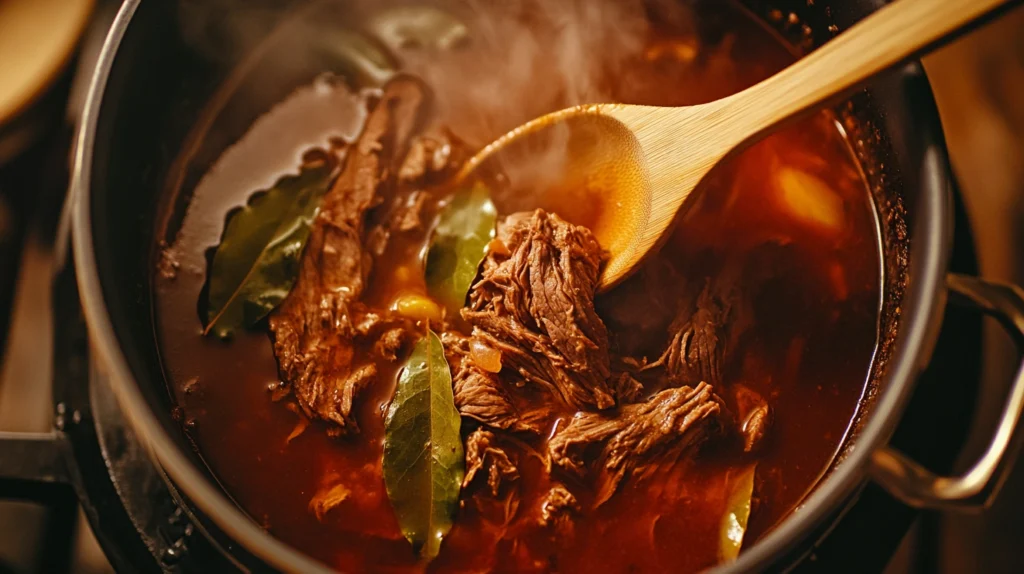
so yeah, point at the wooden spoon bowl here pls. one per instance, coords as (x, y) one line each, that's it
(581, 163)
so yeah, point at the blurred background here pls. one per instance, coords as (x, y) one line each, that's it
(48, 48)
(979, 88)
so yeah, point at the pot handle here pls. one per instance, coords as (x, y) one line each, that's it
(975, 489)
(32, 467)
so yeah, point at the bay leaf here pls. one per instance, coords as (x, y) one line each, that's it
(739, 492)
(257, 261)
(459, 243)
(423, 456)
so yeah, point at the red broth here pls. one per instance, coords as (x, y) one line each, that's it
(792, 214)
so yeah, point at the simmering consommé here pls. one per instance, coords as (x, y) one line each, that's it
(393, 372)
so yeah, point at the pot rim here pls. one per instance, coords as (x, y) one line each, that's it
(920, 321)
(919, 324)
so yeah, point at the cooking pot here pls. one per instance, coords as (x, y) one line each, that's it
(153, 96)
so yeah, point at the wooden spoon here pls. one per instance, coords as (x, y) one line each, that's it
(633, 167)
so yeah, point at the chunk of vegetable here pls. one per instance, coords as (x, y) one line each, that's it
(485, 357)
(809, 200)
(417, 307)
(737, 511)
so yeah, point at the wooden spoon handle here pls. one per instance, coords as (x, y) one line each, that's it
(891, 35)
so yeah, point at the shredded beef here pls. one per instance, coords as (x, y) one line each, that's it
(327, 499)
(481, 396)
(486, 458)
(558, 509)
(626, 388)
(388, 333)
(430, 157)
(390, 342)
(430, 160)
(478, 393)
(754, 417)
(695, 351)
(315, 328)
(400, 213)
(411, 217)
(637, 439)
(534, 303)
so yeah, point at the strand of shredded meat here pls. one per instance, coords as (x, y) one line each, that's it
(316, 328)
(639, 437)
(694, 353)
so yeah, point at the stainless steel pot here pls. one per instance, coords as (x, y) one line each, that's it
(149, 90)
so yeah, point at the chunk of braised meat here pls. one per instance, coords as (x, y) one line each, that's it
(456, 348)
(754, 417)
(433, 156)
(558, 507)
(534, 322)
(406, 205)
(482, 396)
(400, 214)
(696, 348)
(479, 394)
(485, 458)
(316, 328)
(534, 304)
(636, 440)
(626, 387)
(389, 333)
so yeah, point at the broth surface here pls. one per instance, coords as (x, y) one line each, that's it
(791, 217)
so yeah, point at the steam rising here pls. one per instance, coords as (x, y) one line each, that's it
(528, 58)
(495, 64)
(523, 58)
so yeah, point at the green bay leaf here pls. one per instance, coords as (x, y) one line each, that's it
(257, 261)
(459, 243)
(423, 457)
